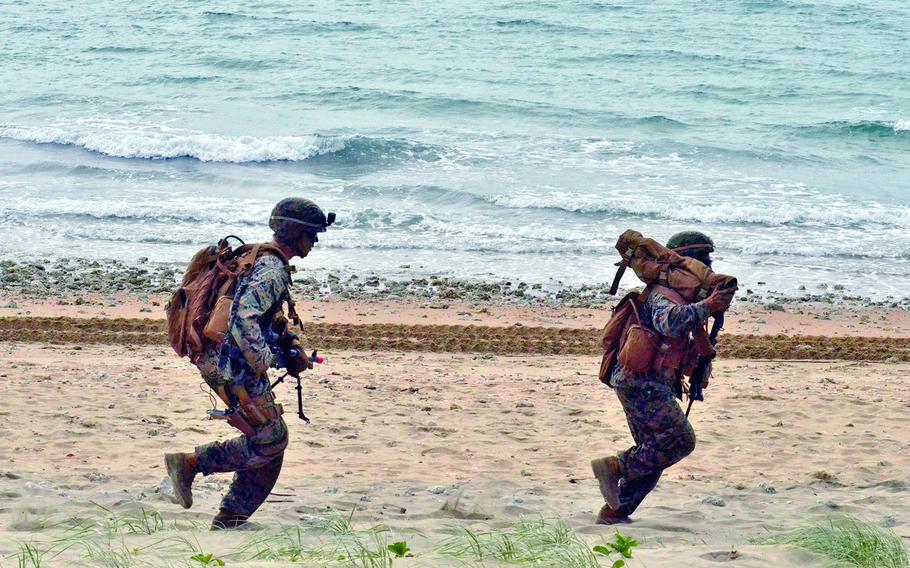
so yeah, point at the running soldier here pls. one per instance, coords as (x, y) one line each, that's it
(237, 370)
(662, 433)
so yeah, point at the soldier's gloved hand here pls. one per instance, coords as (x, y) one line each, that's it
(719, 300)
(298, 360)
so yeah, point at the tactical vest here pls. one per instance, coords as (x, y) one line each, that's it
(640, 348)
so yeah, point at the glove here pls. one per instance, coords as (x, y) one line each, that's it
(719, 300)
(298, 360)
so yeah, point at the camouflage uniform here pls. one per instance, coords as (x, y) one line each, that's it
(662, 433)
(256, 459)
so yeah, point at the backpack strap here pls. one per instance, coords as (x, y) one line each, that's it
(268, 248)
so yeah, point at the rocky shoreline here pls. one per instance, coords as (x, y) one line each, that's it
(75, 281)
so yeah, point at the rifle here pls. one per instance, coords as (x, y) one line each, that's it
(292, 354)
(703, 364)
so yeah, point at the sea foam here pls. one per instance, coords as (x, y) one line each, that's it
(126, 140)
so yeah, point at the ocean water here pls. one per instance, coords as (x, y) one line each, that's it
(482, 140)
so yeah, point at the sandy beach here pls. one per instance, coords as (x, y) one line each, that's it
(423, 440)
(447, 182)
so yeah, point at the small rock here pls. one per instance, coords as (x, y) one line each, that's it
(714, 500)
(96, 477)
(889, 521)
(767, 488)
(524, 404)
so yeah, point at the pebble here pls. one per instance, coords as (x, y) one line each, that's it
(767, 488)
(714, 500)
(96, 477)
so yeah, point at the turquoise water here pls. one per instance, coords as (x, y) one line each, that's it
(478, 139)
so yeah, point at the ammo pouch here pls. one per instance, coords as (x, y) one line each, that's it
(639, 346)
(216, 328)
(251, 412)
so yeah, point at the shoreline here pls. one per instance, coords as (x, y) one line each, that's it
(111, 289)
(73, 279)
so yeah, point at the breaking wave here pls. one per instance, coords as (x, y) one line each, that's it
(862, 128)
(714, 210)
(157, 142)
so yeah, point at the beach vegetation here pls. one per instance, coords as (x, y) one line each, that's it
(849, 541)
(327, 542)
(29, 556)
(207, 559)
(542, 542)
(145, 539)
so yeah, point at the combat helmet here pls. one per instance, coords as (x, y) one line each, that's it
(293, 217)
(694, 244)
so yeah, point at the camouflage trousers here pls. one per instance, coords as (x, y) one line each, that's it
(662, 434)
(255, 460)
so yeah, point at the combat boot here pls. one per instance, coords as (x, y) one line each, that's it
(181, 468)
(227, 520)
(607, 472)
(608, 516)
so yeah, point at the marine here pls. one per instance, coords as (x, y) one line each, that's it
(237, 370)
(660, 429)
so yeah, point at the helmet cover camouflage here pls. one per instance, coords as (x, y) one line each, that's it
(294, 216)
(694, 244)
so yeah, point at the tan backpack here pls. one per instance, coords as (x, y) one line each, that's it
(654, 263)
(199, 311)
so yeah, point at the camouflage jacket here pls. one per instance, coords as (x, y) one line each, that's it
(258, 300)
(668, 319)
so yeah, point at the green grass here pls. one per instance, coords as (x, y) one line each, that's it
(544, 542)
(333, 542)
(851, 542)
(145, 521)
(146, 539)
